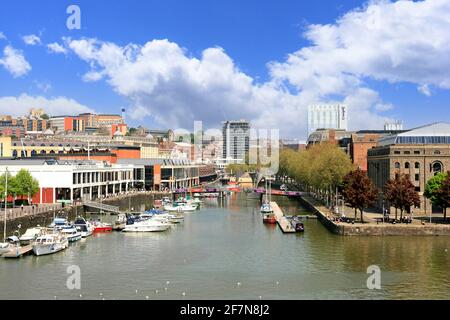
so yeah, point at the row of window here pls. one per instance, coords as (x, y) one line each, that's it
(416, 152)
(88, 177)
(436, 167)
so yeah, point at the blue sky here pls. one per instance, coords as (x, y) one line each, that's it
(251, 33)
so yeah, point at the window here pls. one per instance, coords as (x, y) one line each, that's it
(407, 152)
(437, 168)
(437, 152)
(417, 189)
(417, 165)
(396, 152)
(407, 165)
(397, 165)
(416, 152)
(417, 177)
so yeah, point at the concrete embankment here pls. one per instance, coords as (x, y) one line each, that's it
(374, 229)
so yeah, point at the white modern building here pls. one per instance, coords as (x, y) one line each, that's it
(236, 140)
(327, 116)
(68, 181)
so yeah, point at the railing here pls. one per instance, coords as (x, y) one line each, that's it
(101, 206)
(26, 211)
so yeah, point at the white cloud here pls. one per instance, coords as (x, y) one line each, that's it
(56, 48)
(17, 106)
(31, 40)
(14, 61)
(2, 35)
(424, 89)
(404, 41)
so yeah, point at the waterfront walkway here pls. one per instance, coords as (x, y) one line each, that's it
(372, 227)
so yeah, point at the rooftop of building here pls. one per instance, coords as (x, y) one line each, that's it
(156, 161)
(435, 133)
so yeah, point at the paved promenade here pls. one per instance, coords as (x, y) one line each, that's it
(372, 227)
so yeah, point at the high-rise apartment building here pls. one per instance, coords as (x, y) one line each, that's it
(327, 117)
(236, 140)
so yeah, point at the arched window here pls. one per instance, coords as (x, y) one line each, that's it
(407, 165)
(33, 153)
(417, 165)
(437, 152)
(14, 154)
(43, 152)
(397, 165)
(52, 152)
(437, 168)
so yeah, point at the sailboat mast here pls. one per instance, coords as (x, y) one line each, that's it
(6, 203)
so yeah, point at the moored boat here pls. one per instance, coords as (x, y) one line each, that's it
(180, 207)
(31, 234)
(59, 223)
(12, 243)
(269, 218)
(266, 208)
(100, 227)
(50, 243)
(84, 227)
(120, 222)
(71, 233)
(149, 225)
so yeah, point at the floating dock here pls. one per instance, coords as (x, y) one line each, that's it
(19, 252)
(284, 224)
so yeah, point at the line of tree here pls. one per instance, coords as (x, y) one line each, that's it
(21, 185)
(319, 169)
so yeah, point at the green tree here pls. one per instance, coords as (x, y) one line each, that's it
(432, 189)
(45, 116)
(11, 185)
(444, 194)
(359, 191)
(25, 184)
(437, 190)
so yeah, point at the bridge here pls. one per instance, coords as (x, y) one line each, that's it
(235, 188)
(102, 207)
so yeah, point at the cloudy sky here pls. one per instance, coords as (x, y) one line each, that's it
(172, 62)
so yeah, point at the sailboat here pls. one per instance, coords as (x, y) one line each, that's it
(266, 208)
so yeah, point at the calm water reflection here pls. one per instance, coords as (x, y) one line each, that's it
(225, 244)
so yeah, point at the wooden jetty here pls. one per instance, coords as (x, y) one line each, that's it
(18, 252)
(283, 222)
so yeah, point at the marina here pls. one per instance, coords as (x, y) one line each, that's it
(224, 251)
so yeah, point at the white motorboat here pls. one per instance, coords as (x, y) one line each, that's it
(167, 217)
(181, 207)
(50, 243)
(11, 243)
(31, 234)
(149, 225)
(120, 222)
(71, 233)
(59, 223)
(84, 227)
(266, 208)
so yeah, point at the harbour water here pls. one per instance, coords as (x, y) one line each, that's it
(224, 251)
